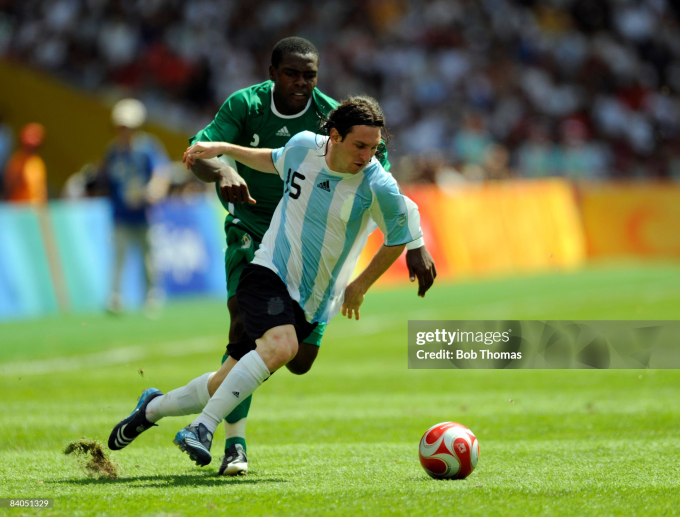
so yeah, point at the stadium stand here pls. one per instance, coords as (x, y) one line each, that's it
(471, 89)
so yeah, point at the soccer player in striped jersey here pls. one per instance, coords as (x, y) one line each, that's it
(266, 115)
(335, 193)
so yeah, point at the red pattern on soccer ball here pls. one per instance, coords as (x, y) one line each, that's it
(433, 435)
(434, 465)
(461, 450)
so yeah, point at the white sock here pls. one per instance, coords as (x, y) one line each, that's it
(187, 400)
(242, 381)
(235, 430)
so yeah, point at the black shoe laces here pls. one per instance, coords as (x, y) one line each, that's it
(233, 455)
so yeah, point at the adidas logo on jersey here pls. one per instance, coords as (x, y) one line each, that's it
(283, 132)
(324, 185)
(236, 394)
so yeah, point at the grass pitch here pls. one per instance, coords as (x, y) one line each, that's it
(343, 439)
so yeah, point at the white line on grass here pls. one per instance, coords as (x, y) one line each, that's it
(204, 344)
(110, 357)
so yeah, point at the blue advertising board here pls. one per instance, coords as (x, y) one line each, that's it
(186, 246)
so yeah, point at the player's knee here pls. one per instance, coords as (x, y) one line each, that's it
(281, 344)
(284, 353)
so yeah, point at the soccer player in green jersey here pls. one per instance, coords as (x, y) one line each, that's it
(267, 115)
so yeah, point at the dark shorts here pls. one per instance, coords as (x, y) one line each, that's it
(264, 303)
(241, 248)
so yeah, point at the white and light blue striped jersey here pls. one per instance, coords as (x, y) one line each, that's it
(323, 221)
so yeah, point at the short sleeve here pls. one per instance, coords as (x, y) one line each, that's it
(395, 214)
(278, 160)
(295, 150)
(228, 124)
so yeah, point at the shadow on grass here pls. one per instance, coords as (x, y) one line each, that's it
(199, 479)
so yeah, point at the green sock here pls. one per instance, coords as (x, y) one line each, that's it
(234, 441)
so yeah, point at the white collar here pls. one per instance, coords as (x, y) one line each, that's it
(276, 112)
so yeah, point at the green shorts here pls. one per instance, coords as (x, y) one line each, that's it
(241, 248)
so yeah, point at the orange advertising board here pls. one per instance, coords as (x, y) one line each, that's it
(631, 219)
(494, 228)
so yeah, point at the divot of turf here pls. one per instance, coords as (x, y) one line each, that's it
(99, 464)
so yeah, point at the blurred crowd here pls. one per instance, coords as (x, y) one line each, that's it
(472, 89)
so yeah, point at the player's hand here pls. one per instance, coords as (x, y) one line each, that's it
(354, 297)
(233, 188)
(421, 266)
(203, 151)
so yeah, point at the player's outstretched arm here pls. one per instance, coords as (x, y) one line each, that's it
(381, 262)
(233, 187)
(421, 266)
(258, 159)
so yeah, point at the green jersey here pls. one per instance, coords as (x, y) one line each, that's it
(249, 118)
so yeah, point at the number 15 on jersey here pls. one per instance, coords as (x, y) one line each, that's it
(293, 189)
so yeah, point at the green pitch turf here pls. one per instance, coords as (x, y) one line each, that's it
(342, 440)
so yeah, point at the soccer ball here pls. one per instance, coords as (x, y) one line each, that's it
(449, 451)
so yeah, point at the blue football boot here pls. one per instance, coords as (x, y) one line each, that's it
(195, 440)
(131, 427)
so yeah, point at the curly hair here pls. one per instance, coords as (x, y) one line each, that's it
(359, 110)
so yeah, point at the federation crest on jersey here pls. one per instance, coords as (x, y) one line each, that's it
(401, 220)
(246, 241)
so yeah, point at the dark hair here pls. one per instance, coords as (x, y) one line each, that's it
(292, 45)
(360, 110)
